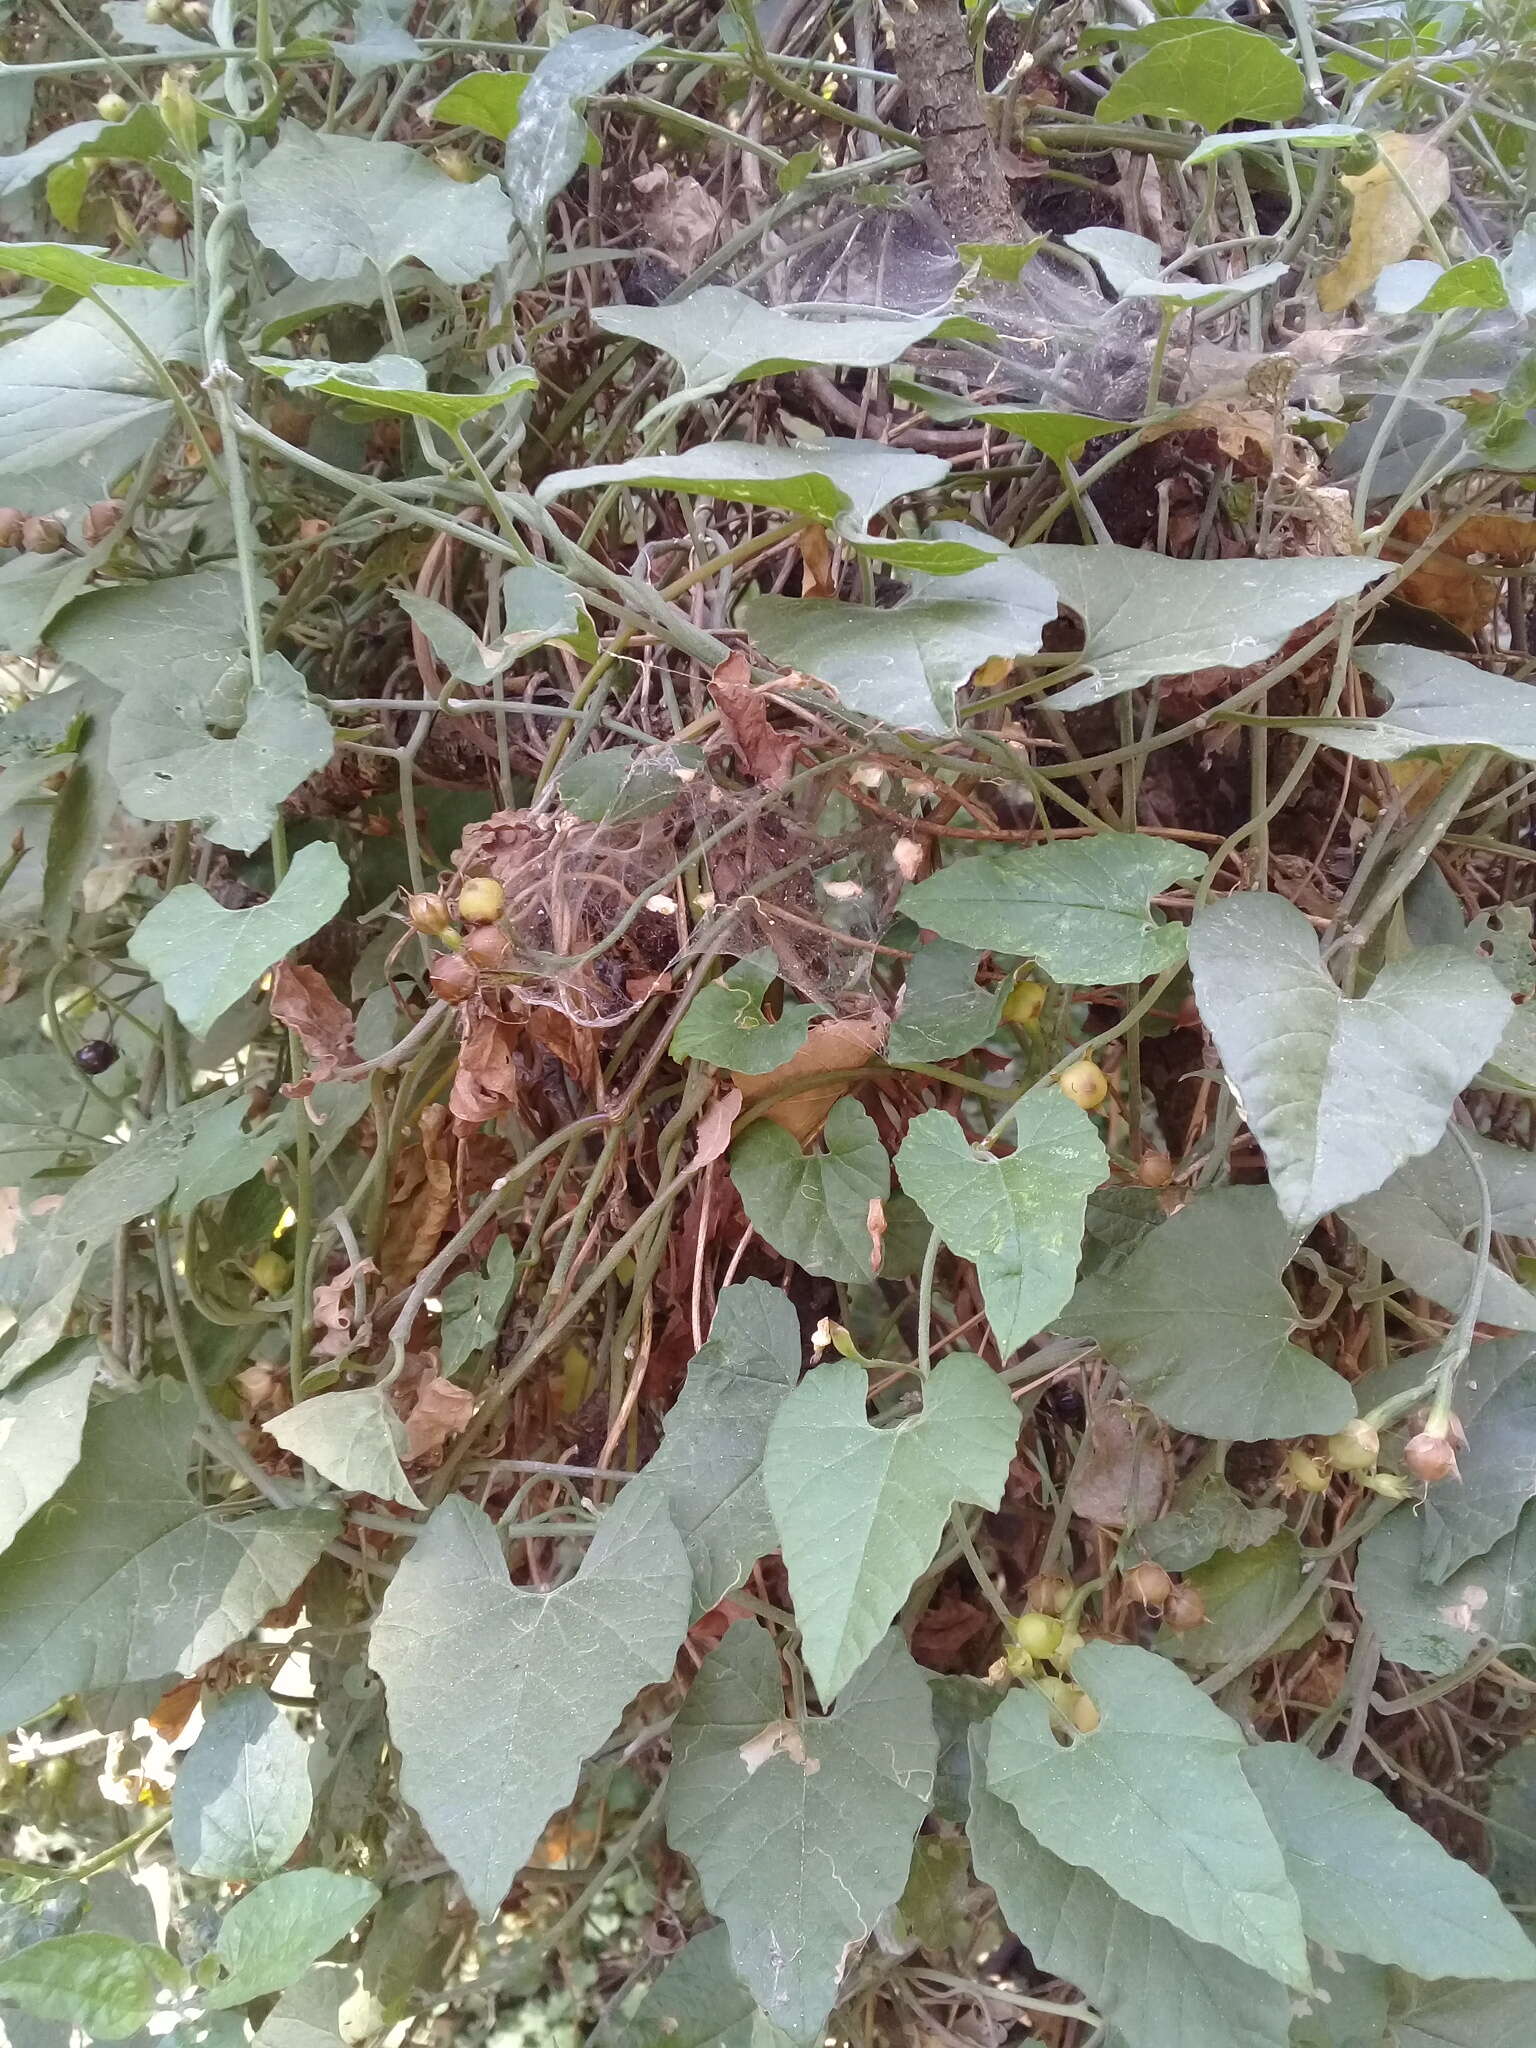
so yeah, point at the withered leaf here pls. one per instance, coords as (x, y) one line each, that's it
(302, 999)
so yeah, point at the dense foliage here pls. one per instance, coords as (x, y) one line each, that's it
(766, 1056)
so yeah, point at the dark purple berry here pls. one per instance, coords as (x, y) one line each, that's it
(95, 1056)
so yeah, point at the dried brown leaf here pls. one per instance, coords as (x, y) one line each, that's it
(1392, 200)
(1124, 1473)
(334, 1307)
(767, 755)
(832, 1044)
(302, 999)
(486, 1081)
(439, 1411)
(713, 1136)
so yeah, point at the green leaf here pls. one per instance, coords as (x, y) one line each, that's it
(1197, 1322)
(205, 957)
(841, 483)
(83, 1588)
(1019, 1218)
(273, 1934)
(227, 759)
(935, 1909)
(720, 336)
(621, 784)
(1437, 1628)
(539, 1679)
(904, 665)
(41, 1417)
(1079, 906)
(242, 1802)
(1462, 2016)
(397, 384)
(1322, 135)
(82, 817)
(1148, 615)
(545, 147)
(813, 1207)
(537, 605)
(1404, 288)
(332, 205)
(1434, 701)
(78, 405)
(79, 269)
(1133, 268)
(725, 1025)
(1159, 1988)
(177, 634)
(484, 100)
(943, 1014)
(378, 41)
(1373, 1884)
(28, 165)
(1205, 1517)
(308, 2015)
(1339, 1093)
(352, 1438)
(474, 1304)
(1155, 1803)
(100, 1983)
(1245, 1593)
(1208, 72)
(800, 1829)
(1347, 2008)
(860, 1511)
(1061, 435)
(708, 1464)
(1421, 1222)
(698, 2001)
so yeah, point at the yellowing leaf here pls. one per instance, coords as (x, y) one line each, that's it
(1392, 200)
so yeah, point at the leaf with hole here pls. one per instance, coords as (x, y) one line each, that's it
(1197, 1322)
(860, 1510)
(540, 1679)
(1154, 1802)
(353, 1438)
(708, 1464)
(1339, 1092)
(800, 1829)
(1147, 615)
(1078, 906)
(814, 1207)
(1373, 1884)
(725, 1024)
(903, 665)
(1158, 1987)
(1018, 1217)
(205, 957)
(241, 1802)
(227, 758)
(333, 205)
(83, 1588)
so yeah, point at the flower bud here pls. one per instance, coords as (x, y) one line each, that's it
(1084, 1083)
(1026, 999)
(178, 110)
(429, 914)
(192, 16)
(1390, 1485)
(112, 107)
(1148, 1584)
(1354, 1448)
(481, 900)
(1429, 1458)
(456, 165)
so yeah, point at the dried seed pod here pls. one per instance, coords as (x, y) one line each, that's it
(1049, 1593)
(42, 535)
(429, 914)
(488, 946)
(11, 524)
(171, 222)
(1155, 1170)
(102, 518)
(452, 977)
(1184, 1609)
(1147, 1584)
(1430, 1458)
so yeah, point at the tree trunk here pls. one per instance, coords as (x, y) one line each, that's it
(946, 113)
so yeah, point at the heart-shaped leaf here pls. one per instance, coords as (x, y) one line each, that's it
(708, 1464)
(1154, 1802)
(800, 1829)
(860, 1510)
(1208, 72)
(205, 957)
(352, 1438)
(1079, 906)
(1338, 1093)
(943, 1013)
(1018, 1217)
(272, 1934)
(242, 1800)
(1133, 267)
(725, 1025)
(1197, 1322)
(1434, 701)
(539, 1679)
(547, 142)
(814, 1207)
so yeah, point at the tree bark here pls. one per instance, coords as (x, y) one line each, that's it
(945, 111)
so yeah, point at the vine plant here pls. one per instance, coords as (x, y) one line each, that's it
(766, 1053)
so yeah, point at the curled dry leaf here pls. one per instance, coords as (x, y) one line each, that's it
(1448, 582)
(680, 216)
(832, 1045)
(1408, 185)
(439, 1410)
(1124, 1474)
(420, 1199)
(1244, 433)
(486, 1082)
(335, 1307)
(876, 1235)
(302, 999)
(713, 1137)
(767, 755)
